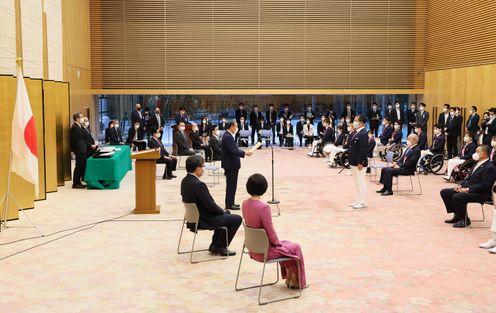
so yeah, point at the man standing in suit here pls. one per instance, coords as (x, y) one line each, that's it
(310, 114)
(390, 114)
(374, 119)
(286, 113)
(404, 167)
(136, 116)
(490, 130)
(231, 163)
(473, 121)
(398, 113)
(411, 116)
(157, 122)
(90, 141)
(271, 118)
(80, 148)
(212, 217)
(444, 116)
(422, 118)
(358, 161)
(182, 117)
(255, 116)
(477, 187)
(348, 112)
(241, 112)
(452, 132)
(169, 161)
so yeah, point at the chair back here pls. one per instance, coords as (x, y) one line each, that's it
(389, 156)
(266, 133)
(244, 133)
(256, 240)
(191, 213)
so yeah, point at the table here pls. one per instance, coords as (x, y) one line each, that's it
(107, 173)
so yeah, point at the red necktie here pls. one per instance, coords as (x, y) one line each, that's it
(492, 155)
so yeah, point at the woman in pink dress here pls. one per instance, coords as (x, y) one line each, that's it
(257, 214)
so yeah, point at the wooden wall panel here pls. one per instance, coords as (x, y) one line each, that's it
(51, 97)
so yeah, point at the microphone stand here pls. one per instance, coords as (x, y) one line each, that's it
(274, 201)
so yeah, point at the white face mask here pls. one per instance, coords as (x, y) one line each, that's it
(136, 126)
(421, 108)
(475, 156)
(397, 127)
(86, 124)
(466, 139)
(493, 143)
(182, 128)
(436, 131)
(116, 125)
(408, 143)
(445, 110)
(355, 125)
(452, 113)
(217, 132)
(470, 112)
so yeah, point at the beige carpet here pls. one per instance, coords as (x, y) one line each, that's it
(397, 255)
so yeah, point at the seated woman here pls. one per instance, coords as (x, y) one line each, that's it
(326, 140)
(333, 150)
(466, 152)
(397, 134)
(438, 141)
(257, 214)
(308, 133)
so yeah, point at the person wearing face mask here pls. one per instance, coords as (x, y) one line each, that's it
(271, 119)
(255, 116)
(286, 113)
(308, 132)
(397, 134)
(146, 123)
(453, 131)
(241, 113)
(182, 142)
(263, 125)
(475, 188)
(136, 116)
(331, 115)
(472, 124)
(336, 142)
(135, 137)
(280, 131)
(310, 114)
(387, 131)
(345, 146)
(411, 116)
(205, 127)
(242, 140)
(389, 114)
(398, 113)
(405, 166)
(115, 136)
(198, 144)
(182, 117)
(79, 146)
(88, 137)
(157, 122)
(223, 124)
(370, 146)
(422, 118)
(215, 144)
(348, 113)
(466, 153)
(165, 158)
(289, 134)
(327, 139)
(444, 116)
(374, 117)
(110, 125)
(422, 137)
(492, 155)
(321, 127)
(299, 128)
(359, 162)
(438, 141)
(231, 163)
(489, 127)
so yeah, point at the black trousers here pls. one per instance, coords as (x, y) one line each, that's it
(300, 136)
(388, 173)
(410, 129)
(273, 134)
(253, 132)
(456, 202)
(308, 140)
(231, 186)
(290, 141)
(452, 146)
(140, 145)
(232, 222)
(78, 174)
(375, 128)
(170, 165)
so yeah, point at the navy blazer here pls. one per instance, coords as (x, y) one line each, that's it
(387, 132)
(196, 142)
(422, 141)
(328, 136)
(230, 153)
(339, 141)
(182, 143)
(481, 181)
(358, 149)
(473, 123)
(214, 143)
(438, 144)
(154, 143)
(466, 154)
(370, 148)
(408, 162)
(396, 136)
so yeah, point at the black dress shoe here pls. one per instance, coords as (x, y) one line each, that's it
(234, 208)
(381, 191)
(166, 177)
(226, 252)
(461, 223)
(78, 186)
(387, 193)
(213, 249)
(173, 176)
(453, 220)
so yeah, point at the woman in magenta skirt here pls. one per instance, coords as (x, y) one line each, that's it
(257, 214)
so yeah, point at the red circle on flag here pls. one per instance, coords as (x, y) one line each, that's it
(30, 137)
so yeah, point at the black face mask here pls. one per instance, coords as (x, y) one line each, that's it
(139, 109)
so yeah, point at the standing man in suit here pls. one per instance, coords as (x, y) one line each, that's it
(477, 187)
(241, 112)
(348, 112)
(411, 116)
(90, 141)
(136, 116)
(271, 118)
(299, 128)
(444, 116)
(405, 166)
(286, 113)
(473, 121)
(490, 130)
(231, 163)
(310, 114)
(358, 161)
(157, 122)
(255, 116)
(422, 118)
(115, 136)
(390, 114)
(398, 113)
(452, 131)
(331, 115)
(182, 117)
(165, 158)
(212, 217)
(374, 119)
(80, 148)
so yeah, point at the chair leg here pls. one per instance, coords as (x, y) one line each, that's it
(286, 298)
(478, 221)
(420, 185)
(193, 247)
(180, 237)
(239, 269)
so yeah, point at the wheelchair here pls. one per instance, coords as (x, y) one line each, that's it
(461, 171)
(318, 150)
(397, 150)
(341, 159)
(432, 163)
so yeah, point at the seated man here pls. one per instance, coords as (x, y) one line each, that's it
(327, 138)
(193, 190)
(197, 142)
(334, 149)
(135, 137)
(477, 187)
(404, 167)
(438, 141)
(466, 153)
(387, 132)
(169, 161)
(114, 134)
(214, 143)
(422, 142)
(397, 134)
(183, 147)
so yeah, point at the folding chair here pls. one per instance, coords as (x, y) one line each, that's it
(215, 172)
(416, 173)
(375, 167)
(244, 136)
(192, 215)
(256, 241)
(491, 202)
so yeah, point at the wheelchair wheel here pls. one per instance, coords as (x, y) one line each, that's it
(337, 159)
(436, 164)
(344, 160)
(464, 170)
(382, 155)
(397, 152)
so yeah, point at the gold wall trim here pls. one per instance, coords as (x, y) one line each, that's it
(255, 91)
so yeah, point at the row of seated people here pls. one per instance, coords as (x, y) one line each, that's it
(209, 147)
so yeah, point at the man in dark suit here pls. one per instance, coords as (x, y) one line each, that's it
(299, 128)
(197, 142)
(165, 158)
(255, 116)
(387, 131)
(348, 113)
(398, 112)
(444, 116)
(286, 113)
(490, 130)
(473, 121)
(390, 114)
(422, 117)
(262, 125)
(88, 137)
(182, 117)
(182, 142)
(358, 161)
(115, 136)
(271, 119)
(157, 122)
(288, 134)
(320, 126)
(223, 124)
(80, 148)
(214, 143)
(477, 187)
(136, 116)
(135, 137)
(241, 112)
(231, 163)
(411, 116)
(404, 167)
(331, 114)
(212, 217)
(422, 137)
(280, 131)
(310, 114)
(452, 132)
(374, 117)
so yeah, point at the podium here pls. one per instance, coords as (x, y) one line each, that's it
(145, 181)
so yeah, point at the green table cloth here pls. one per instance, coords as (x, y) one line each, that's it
(107, 173)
